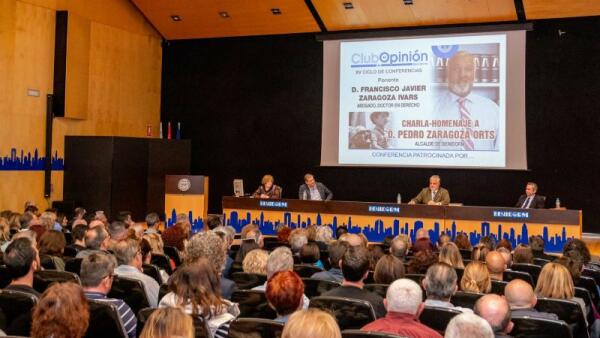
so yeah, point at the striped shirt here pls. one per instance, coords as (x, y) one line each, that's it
(127, 316)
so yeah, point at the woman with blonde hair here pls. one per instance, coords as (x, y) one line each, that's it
(256, 262)
(555, 282)
(476, 278)
(311, 323)
(168, 322)
(450, 255)
(4, 231)
(268, 189)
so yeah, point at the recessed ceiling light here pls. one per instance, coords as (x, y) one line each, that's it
(175, 18)
(276, 11)
(348, 5)
(224, 14)
(408, 2)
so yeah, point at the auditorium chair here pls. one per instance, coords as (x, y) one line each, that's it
(587, 299)
(233, 249)
(73, 265)
(270, 243)
(172, 253)
(246, 281)
(589, 284)
(162, 291)
(104, 320)
(498, 287)
(17, 307)
(367, 334)
(316, 287)
(44, 278)
(236, 267)
(142, 317)
(528, 327)
(566, 310)
(255, 327)
(349, 313)
(540, 262)
(595, 274)
(305, 270)
(438, 318)
(465, 254)
(380, 289)
(253, 304)
(152, 271)
(370, 278)
(47, 263)
(509, 275)
(68, 237)
(5, 277)
(465, 299)
(162, 261)
(532, 269)
(131, 291)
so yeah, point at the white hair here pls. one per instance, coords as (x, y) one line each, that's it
(227, 232)
(280, 259)
(468, 325)
(405, 296)
(324, 234)
(435, 177)
(297, 241)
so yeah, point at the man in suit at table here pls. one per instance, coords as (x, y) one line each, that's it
(531, 200)
(432, 195)
(313, 190)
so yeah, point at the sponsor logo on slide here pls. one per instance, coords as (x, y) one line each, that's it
(273, 204)
(410, 58)
(510, 214)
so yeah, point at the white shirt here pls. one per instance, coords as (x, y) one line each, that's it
(314, 193)
(150, 285)
(481, 109)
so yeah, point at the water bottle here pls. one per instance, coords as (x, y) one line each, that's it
(304, 197)
(399, 199)
(557, 203)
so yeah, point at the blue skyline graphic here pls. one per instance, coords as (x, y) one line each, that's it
(378, 231)
(27, 162)
(197, 223)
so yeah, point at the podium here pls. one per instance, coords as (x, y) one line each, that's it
(186, 194)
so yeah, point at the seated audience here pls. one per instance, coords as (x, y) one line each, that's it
(227, 234)
(353, 240)
(96, 240)
(496, 265)
(298, 239)
(125, 217)
(422, 242)
(523, 254)
(468, 325)
(521, 299)
(421, 261)
(336, 249)
(537, 244)
(479, 252)
(341, 230)
(400, 246)
(462, 241)
(495, 310)
(505, 243)
(579, 246)
(4, 231)
(573, 261)
(323, 237)
(146, 250)
(167, 323)
(443, 239)
(129, 258)
(440, 284)
(388, 270)
(450, 255)
(375, 254)
(285, 294)
(251, 240)
(256, 262)
(118, 231)
(555, 282)
(507, 256)
(476, 278)
(488, 242)
(176, 236)
(213, 221)
(404, 304)
(267, 189)
(52, 245)
(195, 288)
(22, 260)
(311, 323)
(355, 268)
(78, 234)
(209, 245)
(97, 274)
(283, 235)
(309, 254)
(61, 312)
(152, 221)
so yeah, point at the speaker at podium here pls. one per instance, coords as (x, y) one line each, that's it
(186, 195)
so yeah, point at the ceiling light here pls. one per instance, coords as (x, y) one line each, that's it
(276, 11)
(348, 5)
(175, 18)
(224, 14)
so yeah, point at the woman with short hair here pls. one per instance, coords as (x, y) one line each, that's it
(268, 189)
(285, 294)
(311, 323)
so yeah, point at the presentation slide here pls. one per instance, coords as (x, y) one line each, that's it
(426, 101)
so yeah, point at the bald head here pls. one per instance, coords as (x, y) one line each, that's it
(352, 239)
(519, 295)
(495, 310)
(506, 255)
(495, 264)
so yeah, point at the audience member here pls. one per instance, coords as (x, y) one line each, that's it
(168, 323)
(298, 239)
(450, 255)
(256, 262)
(573, 261)
(440, 284)
(146, 250)
(246, 246)
(52, 245)
(227, 234)
(388, 269)
(309, 254)
(152, 221)
(324, 237)
(62, 312)
(507, 256)
(400, 246)
(22, 260)
(468, 325)
(578, 245)
(462, 241)
(353, 240)
(118, 232)
(96, 240)
(336, 250)
(422, 242)
(97, 274)
(476, 278)
(285, 294)
(421, 261)
(78, 234)
(443, 239)
(479, 252)
(4, 231)
(176, 236)
(404, 304)
(537, 244)
(355, 268)
(342, 229)
(129, 258)
(496, 265)
(495, 310)
(488, 242)
(125, 217)
(505, 243)
(26, 220)
(523, 254)
(555, 282)
(375, 254)
(213, 221)
(311, 323)
(283, 235)
(521, 299)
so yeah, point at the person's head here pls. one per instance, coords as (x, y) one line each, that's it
(128, 252)
(146, 250)
(421, 261)
(297, 240)
(213, 221)
(462, 241)
(495, 264)
(95, 223)
(175, 236)
(47, 219)
(78, 213)
(404, 296)
(152, 219)
(156, 243)
(519, 295)
(280, 259)
(198, 284)
(256, 262)
(434, 182)
(399, 247)
(555, 282)
(355, 264)
(30, 235)
(309, 253)
(375, 254)
(488, 241)
(118, 230)
(479, 252)
(336, 250)
(523, 254)
(53, 243)
(283, 234)
(440, 282)
(388, 269)
(468, 325)
(443, 239)
(530, 189)
(4, 230)
(26, 220)
(495, 310)
(352, 240)
(168, 322)
(476, 278)
(285, 292)
(97, 272)
(573, 263)
(450, 255)
(580, 246)
(228, 232)
(461, 73)
(125, 217)
(97, 239)
(324, 234)
(31, 207)
(340, 231)
(505, 243)
(309, 179)
(267, 181)
(380, 118)
(21, 258)
(209, 245)
(537, 243)
(507, 256)
(311, 323)
(421, 233)
(78, 234)
(62, 312)
(255, 235)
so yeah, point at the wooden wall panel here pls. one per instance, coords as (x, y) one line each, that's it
(544, 9)
(78, 66)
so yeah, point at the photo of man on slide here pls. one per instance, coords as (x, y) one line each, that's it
(360, 137)
(479, 116)
(379, 119)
